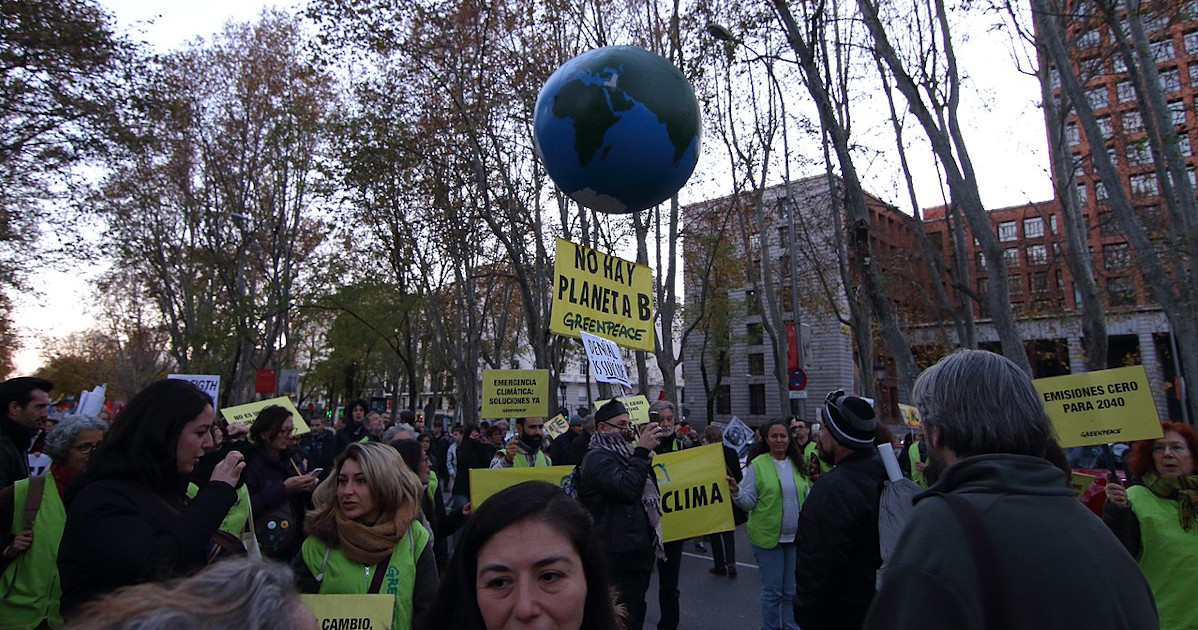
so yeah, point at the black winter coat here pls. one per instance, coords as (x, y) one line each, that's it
(611, 492)
(837, 544)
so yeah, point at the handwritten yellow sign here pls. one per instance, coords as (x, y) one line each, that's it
(910, 416)
(485, 482)
(515, 393)
(245, 414)
(603, 295)
(694, 492)
(1100, 407)
(362, 612)
(637, 406)
(556, 426)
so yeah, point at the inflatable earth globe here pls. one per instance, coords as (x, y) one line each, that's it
(618, 128)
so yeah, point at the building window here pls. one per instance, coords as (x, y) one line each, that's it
(981, 261)
(1107, 225)
(1193, 68)
(1037, 254)
(757, 399)
(1015, 285)
(1126, 92)
(1052, 221)
(1054, 78)
(757, 364)
(1116, 256)
(1144, 185)
(1150, 215)
(1011, 256)
(1139, 153)
(784, 237)
(723, 399)
(1088, 39)
(1073, 136)
(1183, 145)
(753, 332)
(1104, 127)
(1081, 196)
(1007, 231)
(1113, 155)
(1121, 291)
(1033, 227)
(1170, 80)
(1162, 50)
(1100, 190)
(1191, 42)
(1038, 283)
(1098, 98)
(1133, 122)
(1177, 112)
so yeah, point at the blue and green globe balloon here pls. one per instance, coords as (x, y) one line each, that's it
(619, 129)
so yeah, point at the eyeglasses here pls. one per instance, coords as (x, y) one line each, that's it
(612, 424)
(84, 449)
(1176, 449)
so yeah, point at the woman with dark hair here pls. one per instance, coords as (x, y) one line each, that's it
(364, 536)
(354, 430)
(527, 556)
(772, 492)
(128, 518)
(1156, 520)
(432, 503)
(278, 488)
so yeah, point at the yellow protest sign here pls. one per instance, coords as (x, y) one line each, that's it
(1100, 407)
(556, 426)
(637, 406)
(245, 414)
(694, 492)
(515, 393)
(359, 612)
(1080, 482)
(603, 295)
(485, 482)
(910, 416)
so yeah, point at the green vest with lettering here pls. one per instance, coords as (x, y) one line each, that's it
(29, 587)
(521, 461)
(237, 519)
(342, 576)
(765, 520)
(1168, 558)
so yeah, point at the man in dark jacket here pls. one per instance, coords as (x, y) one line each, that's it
(837, 543)
(24, 408)
(617, 486)
(1000, 541)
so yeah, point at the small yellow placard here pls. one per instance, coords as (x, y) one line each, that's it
(360, 612)
(515, 393)
(910, 416)
(694, 492)
(1100, 407)
(603, 295)
(556, 426)
(1080, 482)
(637, 406)
(485, 482)
(245, 414)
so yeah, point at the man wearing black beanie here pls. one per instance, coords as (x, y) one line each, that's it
(837, 544)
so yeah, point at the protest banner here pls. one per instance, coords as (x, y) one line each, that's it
(245, 414)
(1080, 482)
(600, 294)
(515, 393)
(209, 383)
(637, 406)
(607, 365)
(694, 492)
(738, 436)
(352, 612)
(1100, 407)
(910, 416)
(556, 426)
(485, 482)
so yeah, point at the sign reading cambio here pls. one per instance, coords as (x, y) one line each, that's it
(603, 295)
(606, 363)
(1100, 407)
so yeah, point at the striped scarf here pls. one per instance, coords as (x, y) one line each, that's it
(1184, 490)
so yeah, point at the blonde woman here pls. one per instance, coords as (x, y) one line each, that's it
(363, 535)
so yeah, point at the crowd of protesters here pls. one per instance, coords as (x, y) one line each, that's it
(169, 517)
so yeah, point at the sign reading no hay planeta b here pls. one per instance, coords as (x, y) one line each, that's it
(603, 295)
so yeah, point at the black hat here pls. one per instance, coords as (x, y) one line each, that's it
(612, 409)
(851, 420)
(575, 421)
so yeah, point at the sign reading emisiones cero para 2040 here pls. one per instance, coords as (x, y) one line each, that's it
(1100, 407)
(602, 295)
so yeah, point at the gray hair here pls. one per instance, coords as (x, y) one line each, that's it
(392, 434)
(62, 436)
(983, 403)
(239, 592)
(658, 405)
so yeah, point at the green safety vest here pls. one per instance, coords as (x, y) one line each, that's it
(913, 458)
(812, 447)
(433, 482)
(1168, 558)
(29, 587)
(520, 461)
(237, 520)
(338, 575)
(765, 519)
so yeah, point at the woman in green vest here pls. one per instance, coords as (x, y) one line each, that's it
(1156, 520)
(29, 567)
(364, 537)
(772, 492)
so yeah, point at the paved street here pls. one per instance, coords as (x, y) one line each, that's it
(713, 602)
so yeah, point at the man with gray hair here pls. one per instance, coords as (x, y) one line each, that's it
(1001, 541)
